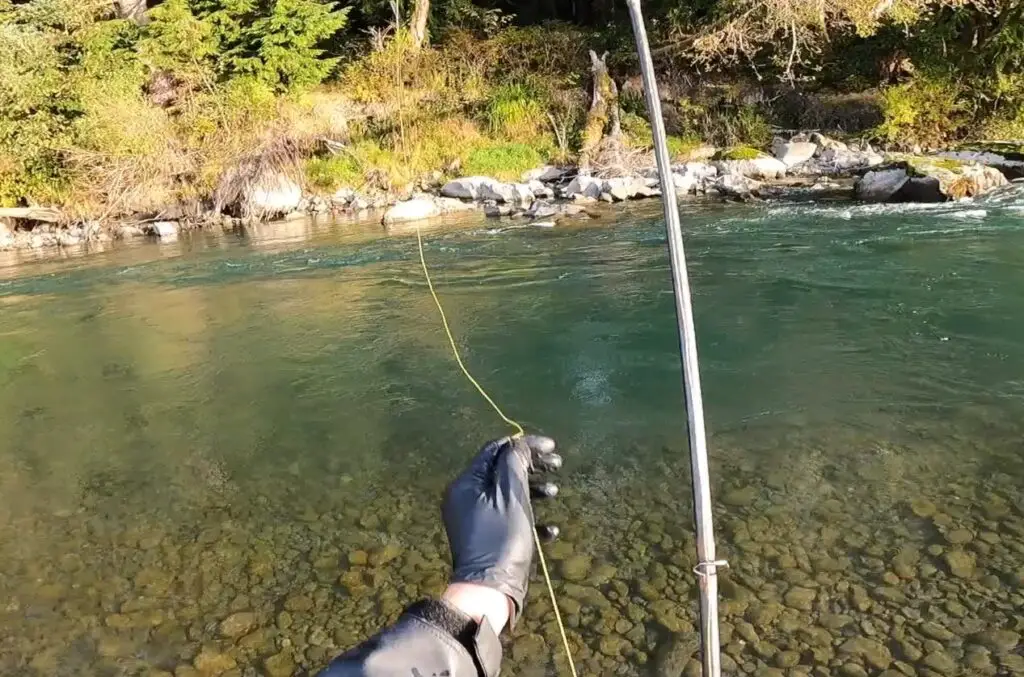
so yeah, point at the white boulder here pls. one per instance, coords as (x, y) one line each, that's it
(755, 168)
(792, 153)
(273, 194)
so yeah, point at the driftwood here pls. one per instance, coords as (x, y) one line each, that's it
(602, 127)
(46, 214)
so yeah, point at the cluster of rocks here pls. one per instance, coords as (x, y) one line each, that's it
(802, 162)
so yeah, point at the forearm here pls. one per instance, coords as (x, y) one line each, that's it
(430, 638)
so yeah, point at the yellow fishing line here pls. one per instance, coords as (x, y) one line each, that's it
(519, 433)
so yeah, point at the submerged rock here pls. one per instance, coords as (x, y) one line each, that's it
(673, 652)
(238, 624)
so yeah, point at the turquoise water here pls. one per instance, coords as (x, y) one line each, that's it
(262, 426)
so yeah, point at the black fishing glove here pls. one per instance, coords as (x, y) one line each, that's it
(489, 518)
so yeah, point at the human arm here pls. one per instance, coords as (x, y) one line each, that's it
(488, 516)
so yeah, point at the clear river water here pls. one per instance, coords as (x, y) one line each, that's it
(224, 456)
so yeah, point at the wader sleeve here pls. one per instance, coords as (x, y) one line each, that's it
(430, 639)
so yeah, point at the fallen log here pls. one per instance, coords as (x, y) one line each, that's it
(46, 214)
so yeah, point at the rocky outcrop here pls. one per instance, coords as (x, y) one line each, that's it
(1007, 157)
(928, 179)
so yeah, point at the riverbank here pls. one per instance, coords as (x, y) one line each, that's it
(803, 167)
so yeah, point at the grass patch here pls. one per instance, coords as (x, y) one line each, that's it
(739, 153)
(504, 161)
(334, 172)
(682, 147)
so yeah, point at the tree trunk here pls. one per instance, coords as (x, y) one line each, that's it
(135, 10)
(418, 24)
(603, 116)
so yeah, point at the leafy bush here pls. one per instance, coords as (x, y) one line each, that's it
(506, 161)
(514, 112)
(925, 111)
(334, 172)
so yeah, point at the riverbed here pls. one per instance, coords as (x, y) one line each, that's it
(224, 455)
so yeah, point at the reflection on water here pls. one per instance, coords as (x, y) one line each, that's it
(226, 457)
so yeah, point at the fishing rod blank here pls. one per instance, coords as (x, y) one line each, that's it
(707, 567)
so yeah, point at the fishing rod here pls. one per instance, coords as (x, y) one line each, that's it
(707, 567)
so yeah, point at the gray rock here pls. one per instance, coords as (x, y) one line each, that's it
(508, 193)
(540, 190)
(881, 186)
(734, 185)
(465, 188)
(585, 186)
(411, 210)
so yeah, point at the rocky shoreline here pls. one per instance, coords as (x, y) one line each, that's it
(805, 166)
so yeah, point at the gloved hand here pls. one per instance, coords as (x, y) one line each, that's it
(489, 518)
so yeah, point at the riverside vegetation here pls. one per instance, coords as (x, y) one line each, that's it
(149, 114)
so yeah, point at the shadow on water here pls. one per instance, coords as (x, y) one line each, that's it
(227, 453)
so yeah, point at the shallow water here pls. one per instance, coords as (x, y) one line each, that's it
(258, 429)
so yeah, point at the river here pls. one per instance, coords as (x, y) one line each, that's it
(225, 455)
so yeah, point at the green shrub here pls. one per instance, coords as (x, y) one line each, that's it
(514, 112)
(637, 130)
(334, 172)
(681, 147)
(925, 111)
(506, 161)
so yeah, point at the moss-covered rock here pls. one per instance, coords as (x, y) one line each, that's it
(917, 178)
